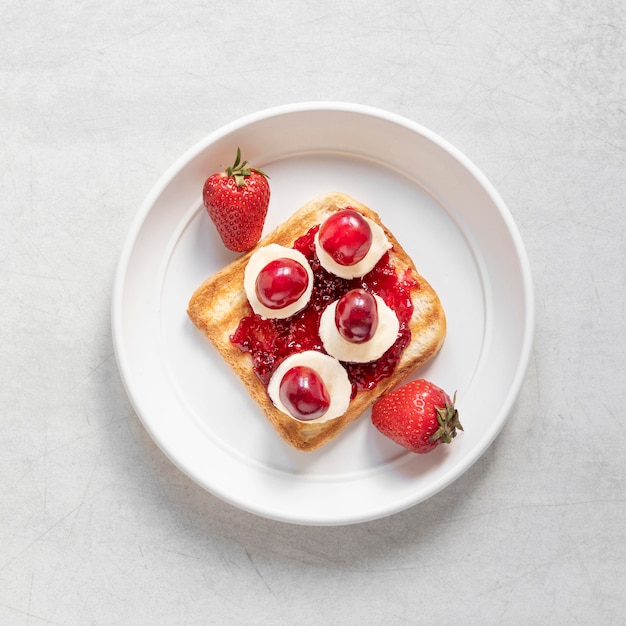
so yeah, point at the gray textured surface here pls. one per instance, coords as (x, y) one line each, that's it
(96, 101)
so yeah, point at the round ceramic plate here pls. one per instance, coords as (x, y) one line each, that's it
(448, 218)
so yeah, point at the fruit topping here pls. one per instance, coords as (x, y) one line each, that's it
(278, 281)
(270, 339)
(356, 316)
(281, 282)
(366, 317)
(237, 201)
(310, 386)
(346, 237)
(349, 245)
(304, 394)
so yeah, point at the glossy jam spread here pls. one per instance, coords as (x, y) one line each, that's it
(270, 341)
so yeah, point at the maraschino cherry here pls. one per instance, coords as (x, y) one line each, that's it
(356, 316)
(346, 237)
(280, 283)
(303, 393)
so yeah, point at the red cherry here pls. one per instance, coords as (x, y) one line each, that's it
(280, 283)
(356, 316)
(304, 393)
(346, 237)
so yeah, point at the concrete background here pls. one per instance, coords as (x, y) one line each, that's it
(96, 101)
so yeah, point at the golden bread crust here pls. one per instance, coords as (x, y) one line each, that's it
(220, 302)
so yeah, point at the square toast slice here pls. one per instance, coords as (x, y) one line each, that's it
(218, 305)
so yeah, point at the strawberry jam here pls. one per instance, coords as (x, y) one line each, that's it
(270, 341)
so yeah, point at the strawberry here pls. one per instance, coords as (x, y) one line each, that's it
(237, 201)
(418, 415)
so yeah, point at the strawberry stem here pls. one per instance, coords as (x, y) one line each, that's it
(448, 419)
(240, 171)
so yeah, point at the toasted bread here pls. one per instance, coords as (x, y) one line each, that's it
(218, 305)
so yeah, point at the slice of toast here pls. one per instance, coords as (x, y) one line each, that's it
(220, 302)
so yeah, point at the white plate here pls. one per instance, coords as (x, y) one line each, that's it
(447, 216)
